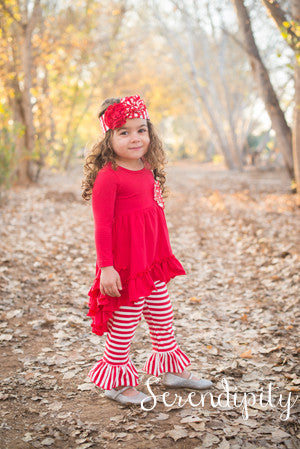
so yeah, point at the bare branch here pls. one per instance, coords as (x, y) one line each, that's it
(279, 17)
(239, 43)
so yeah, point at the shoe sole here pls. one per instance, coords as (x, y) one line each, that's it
(127, 402)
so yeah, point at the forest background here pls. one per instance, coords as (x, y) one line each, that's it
(217, 89)
(221, 80)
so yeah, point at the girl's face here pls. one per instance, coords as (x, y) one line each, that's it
(131, 141)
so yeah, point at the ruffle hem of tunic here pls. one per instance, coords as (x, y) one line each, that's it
(142, 284)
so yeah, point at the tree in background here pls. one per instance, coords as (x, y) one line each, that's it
(267, 92)
(213, 70)
(19, 23)
(53, 60)
(289, 26)
(88, 50)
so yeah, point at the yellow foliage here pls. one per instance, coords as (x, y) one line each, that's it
(218, 159)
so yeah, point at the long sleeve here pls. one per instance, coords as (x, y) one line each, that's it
(103, 204)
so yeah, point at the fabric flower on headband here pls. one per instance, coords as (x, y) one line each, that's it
(116, 114)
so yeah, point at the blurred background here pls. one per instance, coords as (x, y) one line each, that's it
(220, 79)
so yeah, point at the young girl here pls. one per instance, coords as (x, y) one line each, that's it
(124, 176)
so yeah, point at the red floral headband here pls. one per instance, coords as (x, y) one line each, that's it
(116, 114)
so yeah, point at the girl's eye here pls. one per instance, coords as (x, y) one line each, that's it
(123, 133)
(142, 130)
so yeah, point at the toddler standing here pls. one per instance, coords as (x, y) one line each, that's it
(124, 176)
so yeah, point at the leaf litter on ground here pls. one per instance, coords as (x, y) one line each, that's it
(236, 314)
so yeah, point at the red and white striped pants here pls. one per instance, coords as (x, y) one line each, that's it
(116, 368)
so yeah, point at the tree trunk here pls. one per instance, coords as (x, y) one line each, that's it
(236, 153)
(26, 103)
(296, 125)
(21, 169)
(279, 124)
(22, 31)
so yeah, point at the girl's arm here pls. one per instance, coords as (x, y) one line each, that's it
(103, 203)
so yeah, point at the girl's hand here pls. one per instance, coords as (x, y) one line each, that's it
(110, 282)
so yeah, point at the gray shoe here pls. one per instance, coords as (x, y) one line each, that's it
(116, 395)
(173, 381)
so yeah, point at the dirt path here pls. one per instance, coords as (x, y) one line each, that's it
(235, 316)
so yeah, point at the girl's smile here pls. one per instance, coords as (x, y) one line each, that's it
(131, 142)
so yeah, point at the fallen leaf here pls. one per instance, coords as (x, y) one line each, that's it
(27, 437)
(209, 440)
(280, 435)
(86, 386)
(47, 442)
(198, 426)
(69, 374)
(190, 418)
(292, 388)
(177, 433)
(247, 354)
(55, 406)
(224, 445)
(194, 299)
(5, 337)
(161, 417)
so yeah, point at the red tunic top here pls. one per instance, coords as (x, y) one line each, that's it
(131, 234)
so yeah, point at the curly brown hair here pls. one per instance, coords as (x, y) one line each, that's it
(102, 152)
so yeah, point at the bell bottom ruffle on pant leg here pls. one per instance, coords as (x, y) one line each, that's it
(115, 368)
(166, 355)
